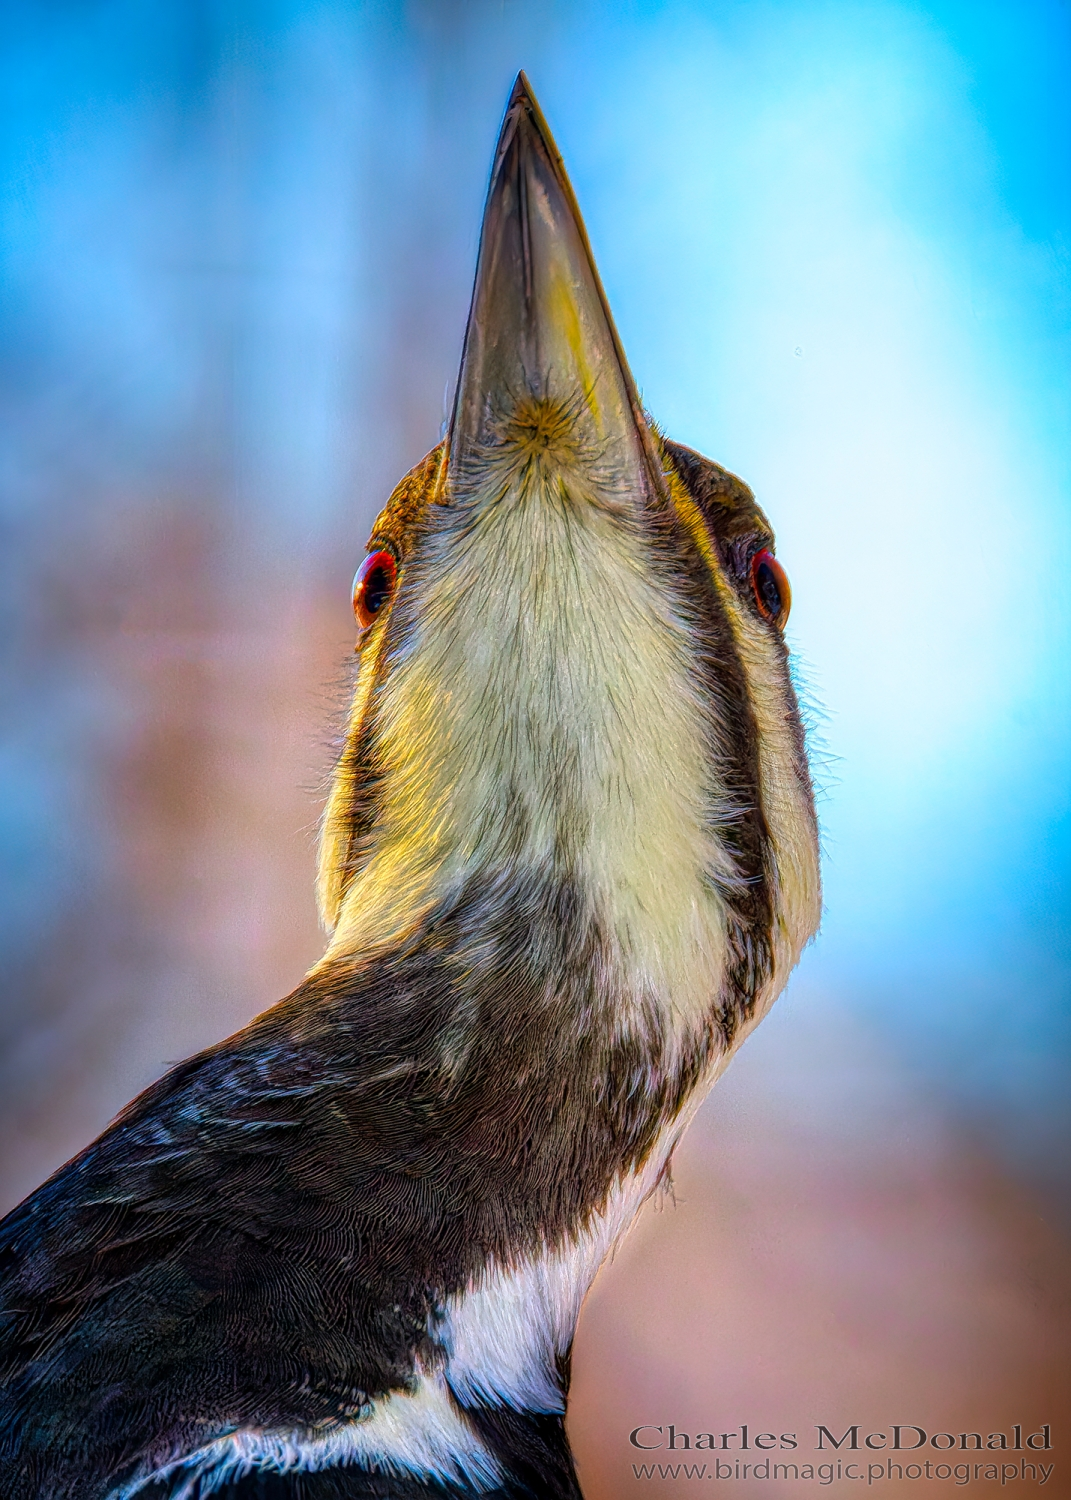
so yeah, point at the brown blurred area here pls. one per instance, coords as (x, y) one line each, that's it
(227, 690)
(839, 1252)
(194, 477)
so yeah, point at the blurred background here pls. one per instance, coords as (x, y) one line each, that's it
(238, 247)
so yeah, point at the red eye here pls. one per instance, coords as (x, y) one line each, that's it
(373, 586)
(769, 584)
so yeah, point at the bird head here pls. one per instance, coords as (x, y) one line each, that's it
(573, 688)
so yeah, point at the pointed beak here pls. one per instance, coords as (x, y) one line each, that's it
(539, 327)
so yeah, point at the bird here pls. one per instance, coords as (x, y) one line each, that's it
(568, 860)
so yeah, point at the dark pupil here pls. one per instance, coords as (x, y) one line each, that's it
(769, 593)
(376, 590)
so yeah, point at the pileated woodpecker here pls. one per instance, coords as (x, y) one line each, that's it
(568, 861)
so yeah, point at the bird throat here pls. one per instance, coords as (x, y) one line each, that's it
(537, 714)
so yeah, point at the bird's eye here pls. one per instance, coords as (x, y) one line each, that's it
(769, 584)
(373, 585)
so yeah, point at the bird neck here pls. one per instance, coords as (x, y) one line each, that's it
(522, 1120)
(498, 738)
(509, 1335)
